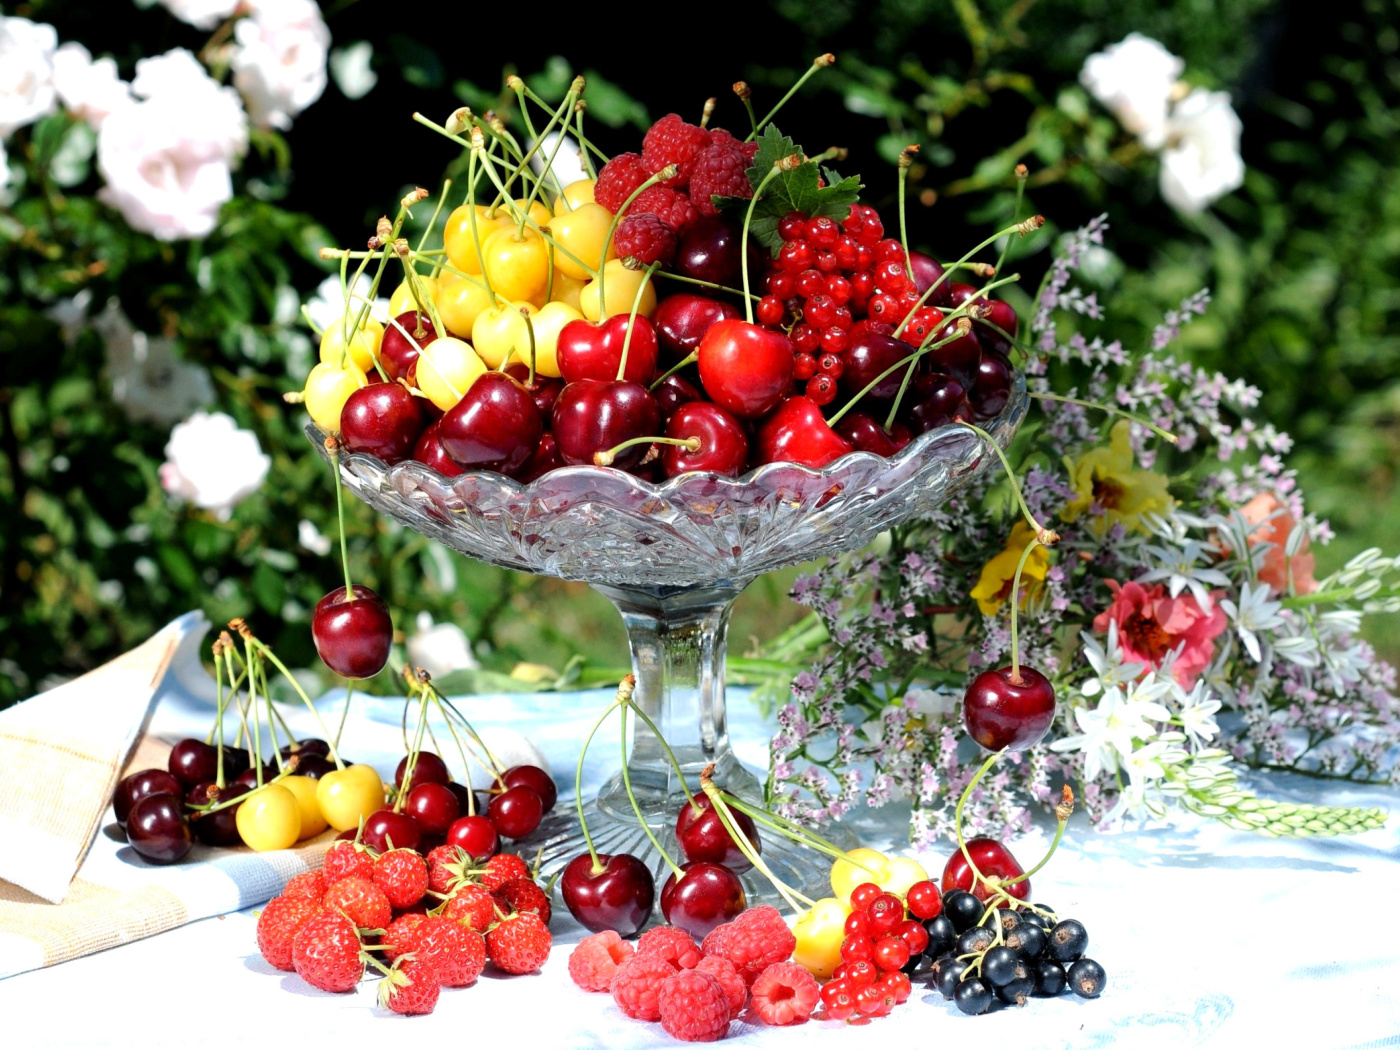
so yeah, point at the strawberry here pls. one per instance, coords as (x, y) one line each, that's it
(360, 900)
(501, 868)
(411, 988)
(522, 895)
(326, 953)
(472, 906)
(309, 884)
(278, 925)
(401, 935)
(519, 944)
(402, 875)
(458, 953)
(447, 868)
(345, 859)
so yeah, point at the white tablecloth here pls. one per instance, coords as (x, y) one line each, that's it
(1209, 937)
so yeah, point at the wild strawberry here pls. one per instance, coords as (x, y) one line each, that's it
(345, 859)
(278, 925)
(522, 895)
(402, 875)
(501, 868)
(458, 953)
(519, 944)
(326, 953)
(361, 901)
(401, 935)
(309, 884)
(411, 988)
(472, 905)
(447, 868)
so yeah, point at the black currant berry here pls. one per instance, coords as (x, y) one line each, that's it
(1010, 920)
(1027, 939)
(945, 973)
(963, 909)
(941, 936)
(1068, 940)
(1086, 979)
(974, 941)
(1001, 965)
(1034, 918)
(972, 996)
(1049, 977)
(1015, 993)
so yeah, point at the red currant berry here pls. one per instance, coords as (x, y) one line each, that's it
(810, 283)
(805, 338)
(792, 226)
(898, 985)
(827, 262)
(872, 231)
(782, 285)
(858, 949)
(821, 389)
(857, 924)
(831, 363)
(847, 251)
(875, 1001)
(838, 289)
(924, 900)
(889, 250)
(842, 319)
(865, 258)
(770, 310)
(804, 366)
(823, 232)
(795, 256)
(860, 973)
(839, 998)
(864, 894)
(884, 308)
(862, 283)
(886, 912)
(819, 310)
(913, 935)
(891, 953)
(890, 276)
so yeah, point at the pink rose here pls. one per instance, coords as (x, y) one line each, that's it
(1151, 626)
(1276, 530)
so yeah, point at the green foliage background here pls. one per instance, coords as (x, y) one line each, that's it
(1304, 263)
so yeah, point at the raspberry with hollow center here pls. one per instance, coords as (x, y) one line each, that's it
(785, 993)
(720, 170)
(596, 960)
(638, 983)
(672, 141)
(694, 1007)
(647, 238)
(618, 180)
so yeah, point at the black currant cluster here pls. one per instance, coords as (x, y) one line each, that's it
(978, 968)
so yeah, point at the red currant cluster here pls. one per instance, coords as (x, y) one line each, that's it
(882, 947)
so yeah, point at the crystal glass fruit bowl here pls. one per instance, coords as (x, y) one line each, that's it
(672, 557)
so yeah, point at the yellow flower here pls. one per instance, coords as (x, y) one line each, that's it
(1107, 478)
(994, 585)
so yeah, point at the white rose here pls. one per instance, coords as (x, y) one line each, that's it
(350, 66)
(26, 72)
(310, 537)
(4, 169)
(440, 648)
(1134, 78)
(167, 159)
(212, 464)
(150, 381)
(89, 90)
(279, 59)
(1202, 160)
(202, 14)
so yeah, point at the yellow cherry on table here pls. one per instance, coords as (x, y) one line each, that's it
(903, 873)
(500, 333)
(403, 301)
(447, 368)
(346, 795)
(459, 301)
(575, 194)
(362, 344)
(567, 290)
(548, 323)
(539, 214)
(819, 933)
(579, 239)
(457, 234)
(846, 876)
(327, 389)
(620, 289)
(517, 263)
(303, 789)
(268, 818)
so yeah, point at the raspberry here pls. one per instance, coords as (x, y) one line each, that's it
(501, 868)
(672, 141)
(459, 953)
(785, 993)
(618, 180)
(326, 953)
(713, 944)
(410, 988)
(278, 925)
(519, 944)
(756, 939)
(522, 895)
(722, 970)
(309, 884)
(671, 943)
(596, 960)
(345, 859)
(638, 983)
(401, 936)
(645, 237)
(361, 901)
(447, 868)
(720, 170)
(402, 875)
(472, 906)
(670, 206)
(694, 1007)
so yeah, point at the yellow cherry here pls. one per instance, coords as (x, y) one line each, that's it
(846, 876)
(517, 263)
(303, 789)
(363, 344)
(819, 933)
(327, 389)
(620, 287)
(457, 234)
(579, 236)
(346, 795)
(567, 289)
(402, 300)
(549, 322)
(500, 333)
(268, 818)
(459, 301)
(903, 873)
(539, 213)
(575, 194)
(447, 368)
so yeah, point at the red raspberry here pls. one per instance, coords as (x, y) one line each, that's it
(447, 867)
(638, 983)
(361, 901)
(519, 944)
(670, 206)
(278, 925)
(720, 170)
(713, 944)
(326, 953)
(755, 940)
(694, 1007)
(411, 988)
(785, 993)
(459, 953)
(345, 859)
(645, 237)
(501, 868)
(402, 875)
(672, 141)
(722, 970)
(596, 960)
(401, 935)
(671, 943)
(473, 906)
(522, 895)
(618, 180)
(309, 884)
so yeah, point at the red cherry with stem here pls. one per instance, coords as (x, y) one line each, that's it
(934, 400)
(992, 859)
(309, 746)
(594, 351)
(593, 416)
(384, 420)
(864, 895)
(248, 779)
(494, 427)
(992, 389)
(219, 828)
(434, 807)
(705, 896)
(673, 392)
(868, 356)
(353, 633)
(615, 894)
(959, 358)
(724, 447)
(429, 769)
(710, 251)
(1006, 709)
(682, 320)
(313, 767)
(429, 452)
(545, 458)
(996, 330)
(866, 434)
(798, 433)
(927, 271)
(132, 789)
(534, 778)
(516, 812)
(745, 368)
(397, 354)
(193, 760)
(702, 836)
(476, 835)
(924, 900)
(385, 830)
(156, 829)
(544, 389)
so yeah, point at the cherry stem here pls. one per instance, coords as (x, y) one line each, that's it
(219, 717)
(462, 754)
(689, 359)
(820, 62)
(344, 710)
(1048, 537)
(746, 97)
(253, 706)
(626, 686)
(333, 447)
(494, 768)
(585, 145)
(606, 458)
(665, 748)
(1015, 678)
(741, 840)
(668, 172)
(277, 663)
(957, 815)
(1054, 845)
(471, 221)
(796, 832)
(562, 113)
(705, 284)
(778, 166)
(437, 210)
(624, 702)
(1112, 410)
(906, 158)
(907, 361)
(243, 733)
(632, 317)
(426, 304)
(530, 329)
(1021, 174)
(412, 764)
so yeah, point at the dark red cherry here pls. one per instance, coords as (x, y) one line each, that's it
(593, 416)
(353, 633)
(745, 368)
(867, 434)
(724, 447)
(534, 778)
(429, 451)
(248, 779)
(516, 812)
(927, 271)
(672, 392)
(594, 351)
(385, 830)
(997, 328)
(397, 352)
(383, 420)
(434, 807)
(1002, 711)
(710, 251)
(312, 766)
(616, 894)
(869, 355)
(476, 835)
(959, 358)
(494, 427)
(545, 458)
(157, 830)
(309, 746)
(192, 761)
(132, 789)
(429, 769)
(798, 433)
(701, 835)
(682, 320)
(934, 400)
(993, 386)
(992, 859)
(705, 896)
(467, 800)
(219, 828)
(544, 389)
